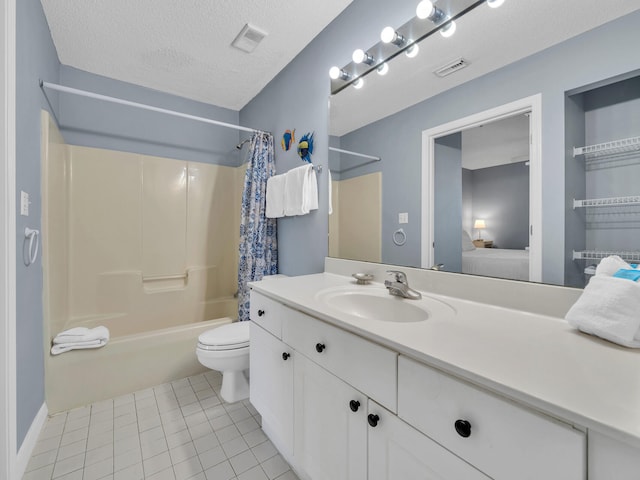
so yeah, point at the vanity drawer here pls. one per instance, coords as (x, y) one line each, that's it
(267, 313)
(368, 367)
(499, 438)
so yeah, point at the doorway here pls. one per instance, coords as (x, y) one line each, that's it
(447, 208)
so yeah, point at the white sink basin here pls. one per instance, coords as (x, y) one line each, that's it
(375, 303)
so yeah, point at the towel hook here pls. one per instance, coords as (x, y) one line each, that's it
(32, 235)
(399, 237)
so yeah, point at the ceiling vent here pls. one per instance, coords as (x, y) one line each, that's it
(451, 67)
(249, 38)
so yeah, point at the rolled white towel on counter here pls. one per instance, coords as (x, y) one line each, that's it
(59, 348)
(82, 334)
(609, 308)
(610, 265)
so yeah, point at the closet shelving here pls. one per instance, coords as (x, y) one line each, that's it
(607, 202)
(615, 147)
(633, 257)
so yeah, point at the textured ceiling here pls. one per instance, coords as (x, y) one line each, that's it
(487, 38)
(184, 46)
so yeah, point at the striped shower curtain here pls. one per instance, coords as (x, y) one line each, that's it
(258, 241)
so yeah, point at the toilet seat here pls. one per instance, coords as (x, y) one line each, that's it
(232, 336)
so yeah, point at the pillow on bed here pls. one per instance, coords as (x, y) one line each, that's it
(467, 244)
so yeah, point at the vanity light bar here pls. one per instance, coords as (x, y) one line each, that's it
(412, 32)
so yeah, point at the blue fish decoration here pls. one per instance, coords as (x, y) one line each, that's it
(305, 147)
(287, 139)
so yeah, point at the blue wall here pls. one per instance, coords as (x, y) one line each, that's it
(501, 197)
(94, 123)
(298, 98)
(35, 58)
(552, 72)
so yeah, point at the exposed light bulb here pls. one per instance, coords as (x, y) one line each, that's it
(360, 56)
(424, 9)
(495, 3)
(387, 34)
(336, 73)
(358, 84)
(383, 69)
(448, 30)
(412, 51)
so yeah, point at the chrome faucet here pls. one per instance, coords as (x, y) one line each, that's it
(400, 286)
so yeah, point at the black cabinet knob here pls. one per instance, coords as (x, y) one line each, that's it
(285, 356)
(373, 419)
(354, 405)
(320, 347)
(260, 313)
(463, 428)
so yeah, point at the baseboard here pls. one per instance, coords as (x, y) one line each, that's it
(30, 440)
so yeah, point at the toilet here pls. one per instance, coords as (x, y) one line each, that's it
(226, 349)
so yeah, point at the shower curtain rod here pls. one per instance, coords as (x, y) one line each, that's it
(120, 101)
(364, 155)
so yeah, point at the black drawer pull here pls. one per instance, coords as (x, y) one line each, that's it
(285, 356)
(373, 420)
(354, 405)
(260, 313)
(463, 428)
(320, 347)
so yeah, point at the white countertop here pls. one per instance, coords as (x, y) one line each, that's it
(535, 359)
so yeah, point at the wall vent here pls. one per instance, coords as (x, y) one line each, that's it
(451, 67)
(249, 38)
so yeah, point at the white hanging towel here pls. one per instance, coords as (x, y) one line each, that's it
(275, 196)
(300, 191)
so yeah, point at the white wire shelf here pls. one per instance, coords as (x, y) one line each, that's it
(607, 202)
(600, 254)
(608, 148)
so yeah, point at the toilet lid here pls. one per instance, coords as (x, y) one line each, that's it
(232, 335)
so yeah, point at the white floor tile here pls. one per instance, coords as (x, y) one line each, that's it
(156, 464)
(98, 470)
(274, 467)
(228, 433)
(187, 469)
(178, 438)
(182, 452)
(72, 449)
(234, 447)
(213, 457)
(255, 473)
(208, 442)
(126, 460)
(243, 462)
(255, 437)
(162, 475)
(134, 472)
(99, 454)
(222, 471)
(42, 460)
(264, 451)
(39, 474)
(47, 445)
(68, 465)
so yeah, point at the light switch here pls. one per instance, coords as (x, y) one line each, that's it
(403, 217)
(24, 203)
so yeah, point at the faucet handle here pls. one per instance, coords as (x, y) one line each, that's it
(399, 276)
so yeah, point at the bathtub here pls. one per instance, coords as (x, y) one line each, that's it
(131, 361)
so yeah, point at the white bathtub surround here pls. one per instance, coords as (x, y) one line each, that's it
(176, 430)
(506, 345)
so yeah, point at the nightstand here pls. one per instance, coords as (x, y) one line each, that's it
(483, 243)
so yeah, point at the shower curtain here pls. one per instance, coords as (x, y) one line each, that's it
(258, 243)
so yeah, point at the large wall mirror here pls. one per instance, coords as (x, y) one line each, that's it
(475, 171)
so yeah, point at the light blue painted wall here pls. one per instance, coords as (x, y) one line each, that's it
(447, 208)
(501, 198)
(298, 98)
(35, 58)
(94, 123)
(552, 72)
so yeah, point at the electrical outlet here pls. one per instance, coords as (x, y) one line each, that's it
(24, 203)
(403, 217)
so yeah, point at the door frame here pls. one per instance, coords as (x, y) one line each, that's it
(8, 441)
(532, 105)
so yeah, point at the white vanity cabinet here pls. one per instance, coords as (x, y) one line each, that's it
(399, 451)
(271, 373)
(501, 439)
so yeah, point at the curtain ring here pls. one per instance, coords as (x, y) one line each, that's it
(399, 237)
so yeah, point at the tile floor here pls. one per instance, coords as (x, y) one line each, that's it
(175, 431)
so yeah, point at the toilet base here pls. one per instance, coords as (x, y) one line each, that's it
(235, 386)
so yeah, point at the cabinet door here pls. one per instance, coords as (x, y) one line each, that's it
(331, 438)
(271, 387)
(398, 451)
